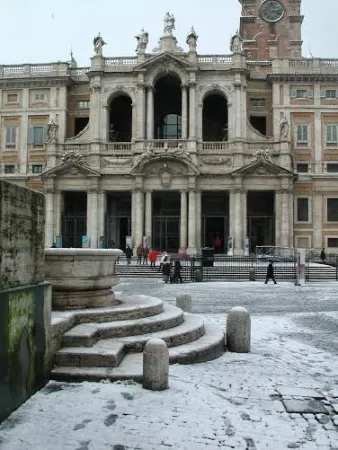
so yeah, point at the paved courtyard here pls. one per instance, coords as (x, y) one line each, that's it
(282, 395)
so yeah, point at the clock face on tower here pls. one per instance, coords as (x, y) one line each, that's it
(272, 11)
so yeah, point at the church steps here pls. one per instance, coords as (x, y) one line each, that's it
(88, 334)
(208, 347)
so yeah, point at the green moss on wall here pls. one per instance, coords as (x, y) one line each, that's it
(21, 336)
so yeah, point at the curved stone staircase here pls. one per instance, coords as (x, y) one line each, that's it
(107, 343)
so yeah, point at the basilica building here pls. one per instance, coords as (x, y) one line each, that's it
(177, 150)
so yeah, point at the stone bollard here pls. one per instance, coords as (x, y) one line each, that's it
(156, 365)
(252, 274)
(238, 330)
(183, 301)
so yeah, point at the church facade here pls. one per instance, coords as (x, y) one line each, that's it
(177, 150)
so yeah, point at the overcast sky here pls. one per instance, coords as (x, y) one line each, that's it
(45, 31)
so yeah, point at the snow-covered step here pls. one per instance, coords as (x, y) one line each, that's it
(131, 307)
(86, 335)
(206, 348)
(209, 346)
(102, 354)
(191, 329)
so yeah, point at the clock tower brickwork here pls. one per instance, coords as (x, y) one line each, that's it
(268, 35)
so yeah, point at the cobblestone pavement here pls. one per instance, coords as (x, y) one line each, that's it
(282, 395)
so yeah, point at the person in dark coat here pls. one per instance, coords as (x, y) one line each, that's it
(129, 254)
(270, 274)
(322, 256)
(177, 272)
(166, 269)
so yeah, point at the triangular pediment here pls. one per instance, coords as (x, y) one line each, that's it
(261, 167)
(165, 58)
(71, 168)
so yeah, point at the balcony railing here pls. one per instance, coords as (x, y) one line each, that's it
(215, 59)
(304, 65)
(119, 147)
(33, 70)
(163, 144)
(214, 146)
(112, 62)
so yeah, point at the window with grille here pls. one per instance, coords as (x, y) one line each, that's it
(82, 104)
(9, 168)
(10, 137)
(257, 101)
(302, 135)
(332, 167)
(302, 168)
(36, 135)
(332, 135)
(302, 209)
(332, 242)
(332, 209)
(39, 97)
(37, 168)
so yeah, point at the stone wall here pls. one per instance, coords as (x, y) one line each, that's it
(25, 300)
(22, 228)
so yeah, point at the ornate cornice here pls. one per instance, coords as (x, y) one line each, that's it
(35, 82)
(312, 77)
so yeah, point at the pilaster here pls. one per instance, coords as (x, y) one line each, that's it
(183, 221)
(92, 217)
(236, 219)
(102, 207)
(184, 112)
(192, 110)
(140, 122)
(198, 220)
(139, 213)
(192, 222)
(317, 219)
(148, 214)
(57, 212)
(49, 226)
(150, 112)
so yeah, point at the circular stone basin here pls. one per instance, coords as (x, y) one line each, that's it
(81, 277)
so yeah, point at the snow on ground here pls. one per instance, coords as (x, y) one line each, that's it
(236, 401)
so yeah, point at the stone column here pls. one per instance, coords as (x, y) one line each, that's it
(192, 223)
(284, 237)
(150, 112)
(244, 218)
(49, 227)
(192, 111)
(102, 206)
(92, 219)
(57, 212)
(140, 111)
(235, 220)
(278, 217)
(183, 221)
(134, 122)
(148, 214)
(184, 112)
(237, 120)
(139, 213)
(133, 217)
(198, 220)
(95, 110)
(317, 219)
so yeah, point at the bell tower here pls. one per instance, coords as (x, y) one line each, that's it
(271, 29)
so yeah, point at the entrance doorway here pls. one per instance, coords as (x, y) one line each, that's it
(261, 218)
(74, 219)
(166, 221)
(215, 220)
(118, 223)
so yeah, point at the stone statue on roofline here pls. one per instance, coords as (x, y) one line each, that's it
(169, 24)
(236, 43)
(192, 40)
(142, 41)
(98, 44)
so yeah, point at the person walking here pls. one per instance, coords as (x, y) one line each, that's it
(166, 269)
(177, 272)
(152, 258)
(323, 256)
(270, 274)
(139, 254)
(145, 255)
(164, 258)
(129, 254)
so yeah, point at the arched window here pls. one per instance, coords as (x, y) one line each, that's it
(170, 127)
